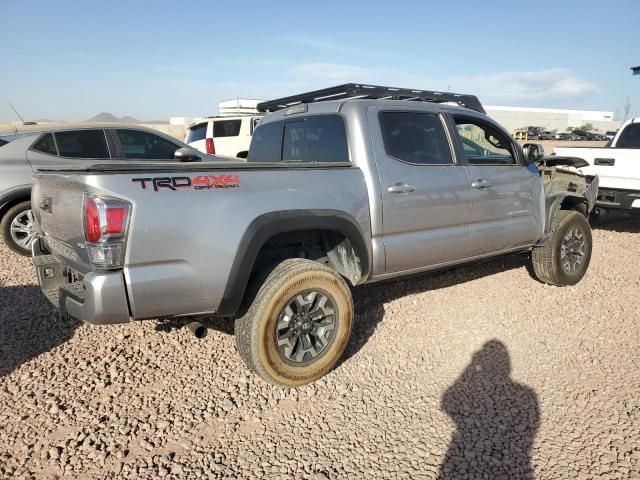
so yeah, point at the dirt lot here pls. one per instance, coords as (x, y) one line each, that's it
(475, 369)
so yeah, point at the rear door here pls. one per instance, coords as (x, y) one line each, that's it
(426, 204)
(619, 167)
(227, 137)
(505, 195)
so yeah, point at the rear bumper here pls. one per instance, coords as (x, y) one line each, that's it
(620, 199)
(96, 298)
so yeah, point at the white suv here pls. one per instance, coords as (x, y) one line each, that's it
(224, 135)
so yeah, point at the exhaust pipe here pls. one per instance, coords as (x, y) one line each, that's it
(199, 331)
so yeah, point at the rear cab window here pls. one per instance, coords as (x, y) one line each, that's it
(197, 132)
(309, 139)
(629, 137)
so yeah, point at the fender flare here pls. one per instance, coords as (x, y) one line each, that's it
(269, 224)
(9, 197)
(552, 207)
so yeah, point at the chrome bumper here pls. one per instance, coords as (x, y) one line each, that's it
(96, 298)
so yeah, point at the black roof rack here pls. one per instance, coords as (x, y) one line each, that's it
(356, 90)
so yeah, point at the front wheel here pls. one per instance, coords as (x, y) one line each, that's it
(565, 257)
(18, 228)
(298, 325)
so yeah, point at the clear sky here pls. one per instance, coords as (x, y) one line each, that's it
(68, 60)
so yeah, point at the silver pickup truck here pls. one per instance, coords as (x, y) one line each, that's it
(342, 187)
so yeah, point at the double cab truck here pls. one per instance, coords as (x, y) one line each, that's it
(617, 165)
(343, 186)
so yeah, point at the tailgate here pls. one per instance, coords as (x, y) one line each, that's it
(57, 205)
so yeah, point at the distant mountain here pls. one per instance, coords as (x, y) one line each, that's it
(110, 117)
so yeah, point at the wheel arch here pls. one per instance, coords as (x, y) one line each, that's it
(14, 197)
(270, 225)
(563, 201)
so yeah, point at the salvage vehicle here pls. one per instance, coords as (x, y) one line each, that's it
(617, 165)
(68, 144)
(342, 186)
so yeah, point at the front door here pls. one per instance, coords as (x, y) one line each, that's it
(425, 195)
(506, 195)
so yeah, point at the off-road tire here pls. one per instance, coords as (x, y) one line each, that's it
(546, 259)
(5, 228)
(255, 331)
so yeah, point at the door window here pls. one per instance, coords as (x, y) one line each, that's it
(226, 128)
(316, 138)
(415, 137)
(82, 144)
(144, 145)
(483, 144)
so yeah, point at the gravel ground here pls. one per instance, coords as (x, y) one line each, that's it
(479, 369)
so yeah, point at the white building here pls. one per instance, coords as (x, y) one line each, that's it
(513, 118)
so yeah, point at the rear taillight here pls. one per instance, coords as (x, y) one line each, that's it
(105, 229)
(211, 148)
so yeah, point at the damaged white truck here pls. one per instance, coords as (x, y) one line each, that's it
(342, 186)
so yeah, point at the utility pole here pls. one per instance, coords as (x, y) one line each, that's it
(627, 109)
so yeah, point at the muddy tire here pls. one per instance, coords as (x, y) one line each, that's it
(298, 325)
(565, 257)
(18, 228)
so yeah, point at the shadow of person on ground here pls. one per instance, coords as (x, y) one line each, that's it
(496, 420)
(27, 327)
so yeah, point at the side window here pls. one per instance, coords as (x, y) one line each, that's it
(197, 132)
(266, 143)
(226, 128)
(45, 145)
(483, 144)
(415, 137)
(316, 138)
(82, 144)
(145, 145)
(630, 137)
(254, 124)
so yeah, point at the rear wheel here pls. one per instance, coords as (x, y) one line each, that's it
(564, 259)
(298, 325)
(18, 228)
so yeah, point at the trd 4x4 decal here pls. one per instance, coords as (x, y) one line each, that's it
(199, 182)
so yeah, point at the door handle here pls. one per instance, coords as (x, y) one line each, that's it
(400, 188)
(481, 183)
(609, 162)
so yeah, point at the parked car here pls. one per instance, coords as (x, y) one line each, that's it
(562, 136)
(362, 188)
(70, 144)
(617, 165)
(224, 135)
(546, 135)
(584, 135)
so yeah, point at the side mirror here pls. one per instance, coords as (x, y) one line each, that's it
(533, 152)
(185, 154)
